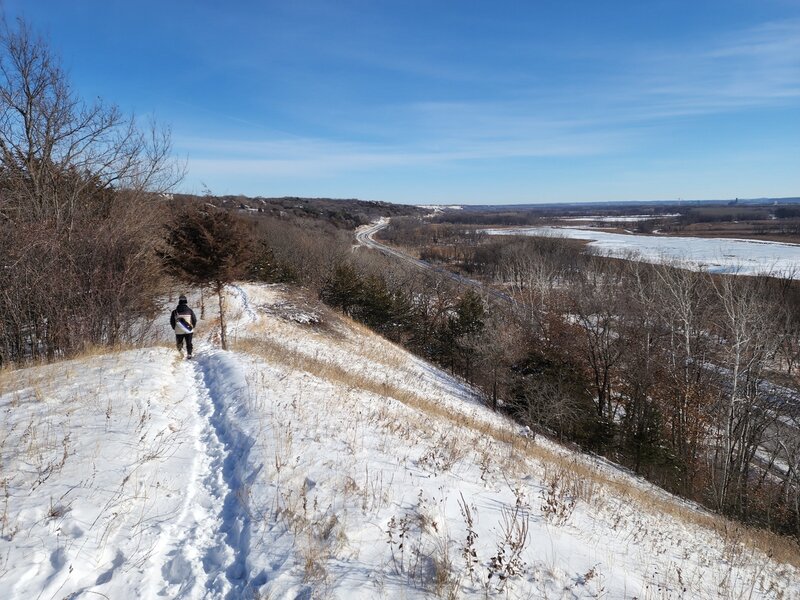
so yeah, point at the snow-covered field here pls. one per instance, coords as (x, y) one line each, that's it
(717, 255)
(625, 219)
(315, 460)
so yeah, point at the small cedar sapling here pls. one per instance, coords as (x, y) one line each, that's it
(207, 246)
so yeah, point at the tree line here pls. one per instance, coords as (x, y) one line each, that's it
(672, 372)
(78, 224)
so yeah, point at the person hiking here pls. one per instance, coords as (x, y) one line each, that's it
(183, 321)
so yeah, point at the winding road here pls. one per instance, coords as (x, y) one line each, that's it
(364, 237)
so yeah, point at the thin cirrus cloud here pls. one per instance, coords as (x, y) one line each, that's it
(608, 114)
(757, 67)
(308, 157)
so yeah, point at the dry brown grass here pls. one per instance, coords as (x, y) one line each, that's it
(23, 372)
(349, 335)
(779, 548)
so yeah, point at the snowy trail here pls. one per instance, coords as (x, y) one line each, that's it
(244, 299)
(221, 386)
(195, 561)
(205, 551)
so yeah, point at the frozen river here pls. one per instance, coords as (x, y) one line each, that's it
(717, 255)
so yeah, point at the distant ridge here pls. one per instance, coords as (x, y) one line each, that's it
(627, 204)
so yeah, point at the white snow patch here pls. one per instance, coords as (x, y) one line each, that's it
(717, 255)
(612, 219)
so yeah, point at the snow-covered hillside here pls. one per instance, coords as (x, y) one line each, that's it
(316, 460)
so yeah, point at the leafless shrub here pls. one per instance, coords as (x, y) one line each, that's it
(78, 210)
(558, 500)
(397, 532)
(444, 454)
(7, 532)
(420, 550)
(468, 551)
(507, 562)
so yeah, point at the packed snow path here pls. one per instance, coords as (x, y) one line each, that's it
(209, 558)
(221, 386)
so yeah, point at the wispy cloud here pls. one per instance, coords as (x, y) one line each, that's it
(752, 68)
(310, 157)
(757, 67)
(611, 114)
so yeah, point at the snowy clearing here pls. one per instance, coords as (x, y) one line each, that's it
(625, 219)
(316, 460)
(717, 255)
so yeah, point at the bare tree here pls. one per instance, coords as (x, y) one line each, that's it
(596, 307)
(747, 326)
(683, 303)
(55, 147)
(77, 213)
(532, 280)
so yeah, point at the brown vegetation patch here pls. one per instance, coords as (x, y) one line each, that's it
(779, 548)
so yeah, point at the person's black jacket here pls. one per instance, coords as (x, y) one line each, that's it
(182, 309)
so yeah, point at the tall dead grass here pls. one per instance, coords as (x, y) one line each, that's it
(779, 548)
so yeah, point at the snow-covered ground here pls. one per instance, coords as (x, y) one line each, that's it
(717, 255)
(316, 460)
(440, 207)
(625, 219)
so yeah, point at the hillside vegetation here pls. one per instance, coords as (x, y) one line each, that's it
(318, 460)
(689, 378)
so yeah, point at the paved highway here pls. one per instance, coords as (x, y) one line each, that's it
(364, 236)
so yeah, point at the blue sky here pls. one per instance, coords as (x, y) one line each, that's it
(452, 102)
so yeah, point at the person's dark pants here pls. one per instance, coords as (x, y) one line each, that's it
(179, 337)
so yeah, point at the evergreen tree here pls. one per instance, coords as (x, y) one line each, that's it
(343, 289)
(207, 246)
